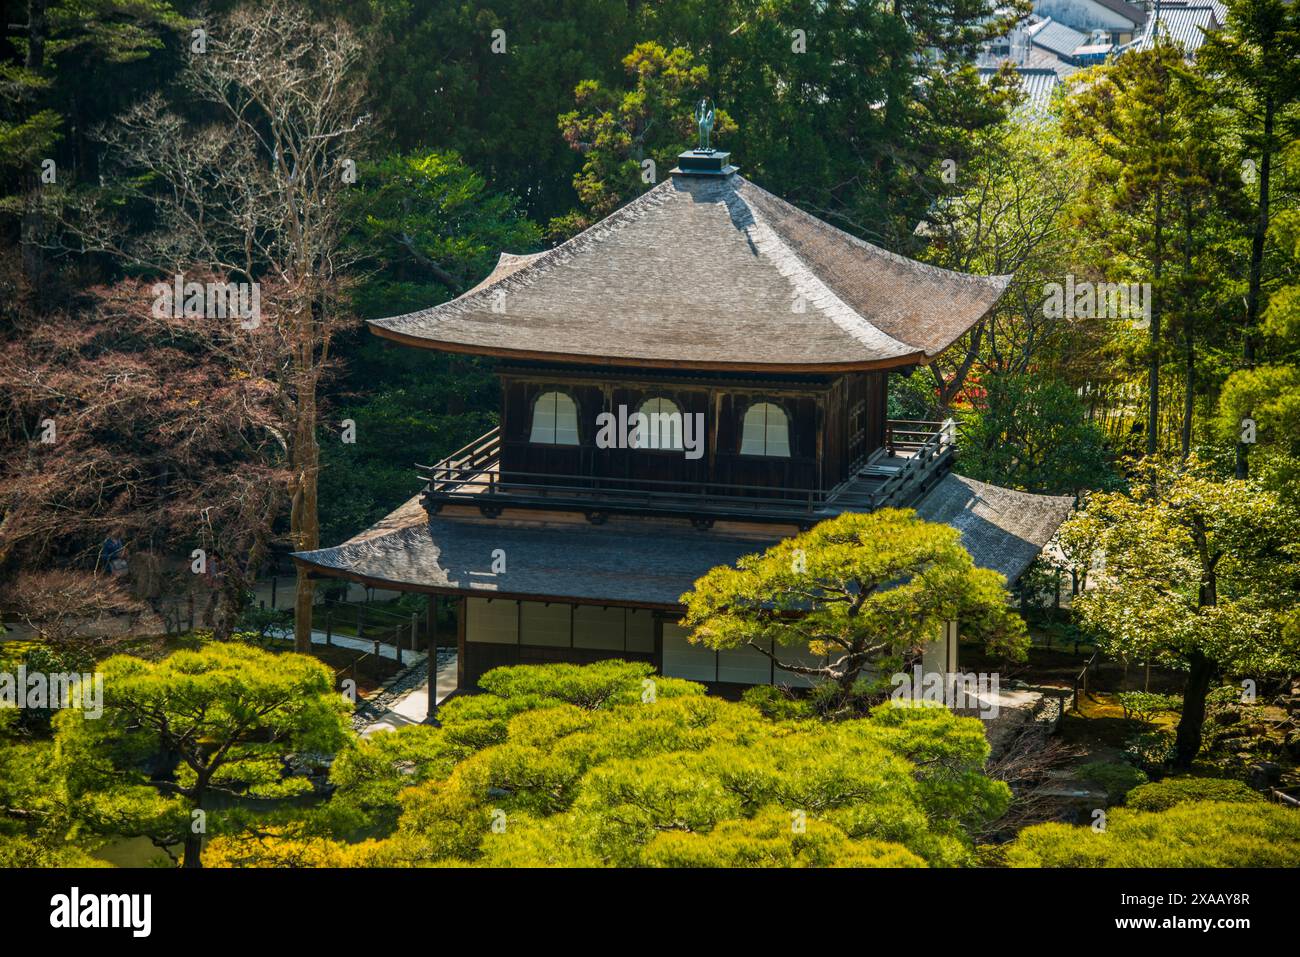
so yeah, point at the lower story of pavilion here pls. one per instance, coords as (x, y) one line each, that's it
(534, 589)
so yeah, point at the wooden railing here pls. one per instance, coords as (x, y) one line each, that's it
(471, 475)
(931, 445)
(469, 462)
(602, 493)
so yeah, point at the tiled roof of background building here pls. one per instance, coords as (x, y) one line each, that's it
(1056, 37)
(1185, 26)
(1038, 85)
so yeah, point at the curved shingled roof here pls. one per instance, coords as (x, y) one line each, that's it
(632, 561)
(709, 272)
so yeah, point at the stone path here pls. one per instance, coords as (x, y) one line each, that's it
(405, 700)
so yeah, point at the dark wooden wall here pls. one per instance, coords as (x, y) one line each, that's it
(834, 422)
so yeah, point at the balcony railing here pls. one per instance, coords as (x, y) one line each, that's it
(915, 451)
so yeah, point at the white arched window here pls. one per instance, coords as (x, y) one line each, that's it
(555, 420)
(663, 424)
(765, 431)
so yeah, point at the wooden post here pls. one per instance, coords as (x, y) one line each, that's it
(433, 658)
(361, 621)
(415, 627)
(273, 582)
(329, 628)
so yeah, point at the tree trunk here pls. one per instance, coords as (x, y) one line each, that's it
(1187, 743)
(1189, 389)
(304, 520)
(1256, 273)
(1189, 339)
(1153, 370)
(193, 856)
(33, 257)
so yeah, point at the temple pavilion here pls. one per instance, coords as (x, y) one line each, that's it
(692, 379)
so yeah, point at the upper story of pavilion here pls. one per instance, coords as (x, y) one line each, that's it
(708, 351)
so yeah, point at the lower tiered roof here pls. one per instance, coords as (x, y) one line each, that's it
(641, 562)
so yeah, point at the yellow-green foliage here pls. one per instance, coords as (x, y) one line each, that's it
(562, 765)
(862, 589)
(1162, 795)
(570, 766)
(222, 717)
(1192, 834)
(770, 839)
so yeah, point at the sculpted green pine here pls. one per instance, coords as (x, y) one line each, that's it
(177, 732)
(858, 591)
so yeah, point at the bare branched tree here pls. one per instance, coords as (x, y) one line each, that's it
(253, 191)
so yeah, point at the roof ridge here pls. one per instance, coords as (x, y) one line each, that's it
(818, 292)
(975, 278)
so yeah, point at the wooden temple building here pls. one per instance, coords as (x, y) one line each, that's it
(758, 341)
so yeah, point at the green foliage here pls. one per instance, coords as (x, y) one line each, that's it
(1145, 705)
(419, 407)
(856, 590)
(438, 80)
(37, 656)
(1200, 573)
(768, 840)
(779, 704)
(1150, 606)
(174, 732)
(1162, 795)
(599, 685)
(84, 56)
(1194, 834)
(588, 766)
(432, 228)
(37, 828)
(616, 132)
(1151, 750)
(1031, 432)
(1117, 779)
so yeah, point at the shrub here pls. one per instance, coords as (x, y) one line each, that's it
(1194, 834)
(1145, 705)
(1151, 750)
(578, 766)
(1117, 779)
(777, 703)
(1162, 795)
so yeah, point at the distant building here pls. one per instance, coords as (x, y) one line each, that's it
(1056, 38)
(1180, 23)
(1121, 21)
(1037, 83)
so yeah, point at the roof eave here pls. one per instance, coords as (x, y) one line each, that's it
(917, 357)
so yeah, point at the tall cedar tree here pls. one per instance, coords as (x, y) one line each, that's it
(1254, 65)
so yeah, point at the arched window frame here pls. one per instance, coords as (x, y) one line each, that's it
(676, 407)
(767, 444)
(556, 426)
